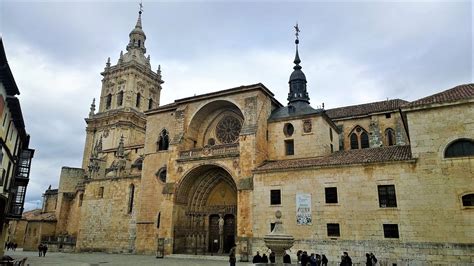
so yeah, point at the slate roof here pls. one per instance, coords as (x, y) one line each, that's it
(464, 91)
(365, 109)
(293, 110)
(37, 215)
(363, 156)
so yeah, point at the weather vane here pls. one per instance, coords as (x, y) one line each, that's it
(297, 30)
(141, 7)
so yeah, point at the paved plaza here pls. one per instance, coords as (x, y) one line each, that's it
(96, 259)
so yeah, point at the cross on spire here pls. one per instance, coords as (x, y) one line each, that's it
(297, 30)
(141, 7)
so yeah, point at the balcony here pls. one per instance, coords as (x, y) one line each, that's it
(216, 151)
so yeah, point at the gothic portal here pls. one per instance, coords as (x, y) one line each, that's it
(206, 209)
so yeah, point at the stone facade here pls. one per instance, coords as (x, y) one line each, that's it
(206, 172)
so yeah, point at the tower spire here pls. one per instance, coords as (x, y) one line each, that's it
(137, 35)
(298, 92)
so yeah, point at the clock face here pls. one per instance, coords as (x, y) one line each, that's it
(228, 129)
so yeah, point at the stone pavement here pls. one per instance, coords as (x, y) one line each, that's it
(104, 259)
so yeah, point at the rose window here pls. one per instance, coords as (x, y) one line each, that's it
(228, 129)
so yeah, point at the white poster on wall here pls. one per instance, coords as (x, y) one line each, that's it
(303, 209)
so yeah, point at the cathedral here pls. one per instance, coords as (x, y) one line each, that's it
(208, 172)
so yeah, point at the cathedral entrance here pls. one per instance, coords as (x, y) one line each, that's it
(206, 210)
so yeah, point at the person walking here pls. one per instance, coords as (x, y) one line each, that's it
(345, 259)
(232, 258)
(312, 259)
(373, 259)
(368, 260)
(45, 249)
(40, 249)
(257, 258)
(286, 258)
(272, 257)
(324, 261)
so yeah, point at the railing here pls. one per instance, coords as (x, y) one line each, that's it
(226, 149)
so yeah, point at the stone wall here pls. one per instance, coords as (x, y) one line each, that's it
(106, 223)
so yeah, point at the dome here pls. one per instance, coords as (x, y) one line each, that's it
(297, 75)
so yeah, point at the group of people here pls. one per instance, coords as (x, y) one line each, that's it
(304, 259)
(311, 260)
(42, 249)
(371, 259)
(264, 259)
(11, 245)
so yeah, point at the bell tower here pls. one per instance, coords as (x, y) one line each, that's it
(129, 88)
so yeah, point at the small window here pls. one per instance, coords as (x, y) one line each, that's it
(163, 140)
(289, 147)
(460, 148)
(387, 197)
(275, 197)
(100, 193)
(333, 230)
(131, 197)
(139, 43)
(354, 141)
(364, 140)
(288, 129)
(81, 198)
(388, 115)
(161, 174)
(468, 200)
(272, 226)
(330, 134)
(332, 148)
(390, 231)
(150, 104)
(120, 98)
(389, 137)
(158, 220)
(108, 101)
(331, 194)
(137, 102)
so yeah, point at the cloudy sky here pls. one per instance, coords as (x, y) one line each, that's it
(352, 52)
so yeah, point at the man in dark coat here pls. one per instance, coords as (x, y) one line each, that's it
(40, 249)
(286, 258)
(257, 258)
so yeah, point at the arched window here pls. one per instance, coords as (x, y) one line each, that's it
(163, 140)
(364, 140)
(120, 98)
(108, 101)
(468, 200)
(139, 43)
(359, 138)
(460, 148)
(354, 141)
(137, 103)
(389, 137)
(131, 196)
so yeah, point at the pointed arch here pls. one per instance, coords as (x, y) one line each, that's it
(389, 137)
(120, 98)
(163, 140)
(359, 138)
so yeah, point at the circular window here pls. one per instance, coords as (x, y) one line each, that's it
(161, 174)
(228, 129)
(288, 129)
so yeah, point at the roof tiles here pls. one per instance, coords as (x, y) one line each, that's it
(371, 155)
(365, 109)
(460, 92)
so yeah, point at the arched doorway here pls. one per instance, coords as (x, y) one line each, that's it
(206, 210)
